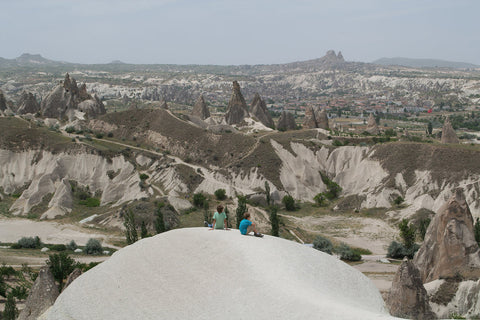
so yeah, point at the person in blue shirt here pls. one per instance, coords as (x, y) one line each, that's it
(247, 226)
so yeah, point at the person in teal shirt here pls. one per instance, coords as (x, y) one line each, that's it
(219, 219)
(246, 226)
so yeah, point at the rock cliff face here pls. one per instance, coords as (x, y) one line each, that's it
(200, 109)
(448, 133)
(42, 295)
(407, 297)
(259, 110)
(286, 122)
(237, 108)
(28, 104)
(449, 249)
(67, 97)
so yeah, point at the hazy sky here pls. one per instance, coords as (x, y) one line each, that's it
(240, 31)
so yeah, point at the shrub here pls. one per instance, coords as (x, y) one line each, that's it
(323, 244)
(131, 234)
(61, 266)
(407, 232)
(144, 176)
(476, 230)
(199, 200)
(398, 201)
(99, 135)
(93, 247)
(274, 221)
(29, 243)
(3, 287)
(20, 292)
(90, 202)
(241, 209)
(424, 223)
(220, 194)
(397, 250)
(320, 199)
(347, 253)
(72, 245)
(333, 189)
(10, 312)
(57, 247)
(110, 134)
(7, 271)
(289, 203)
(69, 129)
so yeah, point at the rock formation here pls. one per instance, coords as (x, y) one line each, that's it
(67, 97)
(71, 277)
(322, 119)
(260, 111)
(372, 127)
(286, 122)
(237, 108)
(407, 297)
(449, 249)
(3, 102)
(309, 121)
(28, 104)
(163, 104)
(42, 295)
(200, 109)
(448, 133)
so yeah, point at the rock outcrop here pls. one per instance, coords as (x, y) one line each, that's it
(449, 249)
(66, 98)
(163, 104)
(286, 122)
(237, 108)
(42, 295)
(200, 109)
(71, 277)
(28, 104)
(372, 127)
(3, 102)
(322, 119)
(310, 122)
(407, 297)
(259, 110)
(448, 133)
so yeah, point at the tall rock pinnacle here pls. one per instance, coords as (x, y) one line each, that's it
(259, 110)
(200, 109)
(448, 133)
(237, 108)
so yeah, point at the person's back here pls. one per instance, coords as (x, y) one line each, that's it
(219, 219)
(244, 224)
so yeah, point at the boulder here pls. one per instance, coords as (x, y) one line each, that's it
(286, 122)
(309, 121)
(200, 109)
(448, 133)
(237, 108)
(449, 249)
(407, 297)
(28, 104)
(42, 295)
(372, 127)
(260, 111)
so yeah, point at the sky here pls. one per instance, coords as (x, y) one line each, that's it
(224, 32)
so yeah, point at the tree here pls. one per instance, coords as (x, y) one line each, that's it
(289, 203)
(159, 222)
(61, 266)
(94, 246)
(241, 209)
(72, 245)
(228, 219)
(476, 230)
(274, 221)
(131, 234)
(206, 214)
(423, 226)
(10, 312)
(143, 230)
(220, 194)
(198, 200)
(430, 127)
(267, 193)
(333, 189)
(398, 200)
(407, 233)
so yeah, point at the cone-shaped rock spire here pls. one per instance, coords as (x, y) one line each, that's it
(200, 109)
(237, 108)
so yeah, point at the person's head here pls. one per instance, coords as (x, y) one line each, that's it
(246, 215)
(220, 208)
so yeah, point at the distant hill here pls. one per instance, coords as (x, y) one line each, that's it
(423, 63)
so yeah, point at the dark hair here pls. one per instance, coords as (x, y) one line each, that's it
(220, 208)
(246, 215)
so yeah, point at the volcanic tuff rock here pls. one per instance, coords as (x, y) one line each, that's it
(200, 109)
(372, 125)
(67, 97)
(449, 249)
(163, 104)
(28, 104)
(322, 118)
(237, 108)
(71, 277)
(42, 295)
(309, 121)
(260, 111)
(286, 122)
(3, 102)
(448, 133)
(407, 297)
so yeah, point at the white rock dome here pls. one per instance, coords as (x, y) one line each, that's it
(201, 274)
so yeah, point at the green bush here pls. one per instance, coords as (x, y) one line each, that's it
(72, 245)
(199, 200)
(347, 253)
(220, 194)
(10, 311)
(20, 292)
(407, 232)
(69, 129)
(90, 202)
(320, 199)
(144, 176)
(57, 247)
(323, 244)
(289, 203)
(397, 250)
(398, 200)
(99, 135)
(29, 243)
(61, 266)
(3, 288)
(93, 247)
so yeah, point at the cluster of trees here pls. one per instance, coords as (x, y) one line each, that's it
(332, 192)
(131, 229)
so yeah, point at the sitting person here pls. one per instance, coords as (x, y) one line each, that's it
(219, 219)
(247, 226)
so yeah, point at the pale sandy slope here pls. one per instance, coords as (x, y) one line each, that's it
(201, 274)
